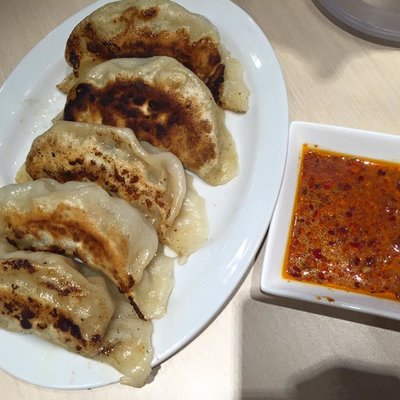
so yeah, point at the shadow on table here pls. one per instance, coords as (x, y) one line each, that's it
(328, 353)
(336, 382)
(325, 309)
(295, 361)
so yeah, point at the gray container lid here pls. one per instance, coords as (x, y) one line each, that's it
(378, 22)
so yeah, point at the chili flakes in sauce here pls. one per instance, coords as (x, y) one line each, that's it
(346, 224)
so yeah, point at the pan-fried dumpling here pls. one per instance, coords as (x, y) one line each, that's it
(83, 221)
(115, 160)
(145, 177)
(190, 229)
(146, 28)
(44, 294)
(165, 104)
(152, 292)
(127, 345)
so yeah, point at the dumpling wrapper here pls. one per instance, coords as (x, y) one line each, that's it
(190, 229)
(165, 104)
(153, 291)
(114, 159)
(127, 345)
(80, 220)
(44, 294)
(146, 28)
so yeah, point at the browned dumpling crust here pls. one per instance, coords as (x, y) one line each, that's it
(44, 294)
(165, 104)
(114, 159)
(52, 297)
(139, 28)
(81, 220)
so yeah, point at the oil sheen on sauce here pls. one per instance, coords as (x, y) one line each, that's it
(346, 224)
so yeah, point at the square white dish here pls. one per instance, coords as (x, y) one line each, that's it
(364, 144)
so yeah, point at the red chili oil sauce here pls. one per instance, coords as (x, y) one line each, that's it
(346, 224)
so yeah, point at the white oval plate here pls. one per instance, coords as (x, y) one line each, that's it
(239, 212)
